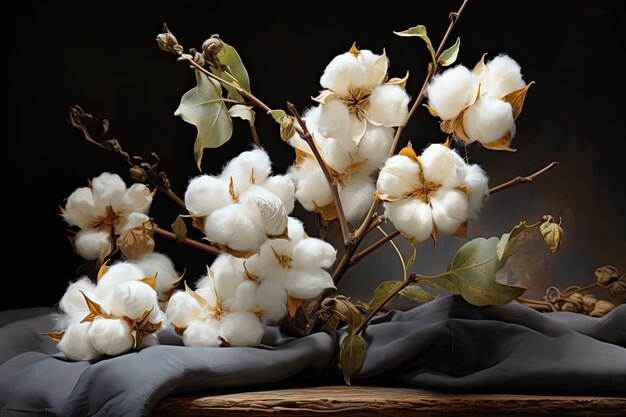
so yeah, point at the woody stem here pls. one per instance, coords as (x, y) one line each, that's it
(521, 180)
(186, 241)
(371, 248)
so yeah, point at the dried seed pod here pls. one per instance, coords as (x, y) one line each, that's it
(606, 274)
(212, 47)
(552, 233)
(138, 174)
(287, 128)
(138, 241)
(602, 308)
(577, 297)
(618, 288)
(589, 302)
(167, 41)
(571, 307)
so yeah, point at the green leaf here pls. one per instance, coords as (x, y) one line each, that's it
(472, 274)
(420, 32)
(202, 107)
(382, 291)
(230, 59)
(415, 292)
(278, 115)
(351, 355)
(179, 228)
(508, 245)
(448, 57)
(345, 311)
(241, 111)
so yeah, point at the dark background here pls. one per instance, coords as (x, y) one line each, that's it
(104, 57)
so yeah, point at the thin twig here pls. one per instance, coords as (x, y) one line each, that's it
(538, 305)
(579, 289)
(186, 241)
(521, 180)
(255, 136)
(371, 248)
(332, 181)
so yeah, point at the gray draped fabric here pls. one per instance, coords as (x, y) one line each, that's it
(446, 345)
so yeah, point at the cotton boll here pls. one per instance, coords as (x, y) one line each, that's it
(336, 122)
(182, 309)
(412, 217)
(336, 155)
(343, 72)
(110, 336)
(449, 210)
(442, 165)
(265, 264)
(452, 90)
(244, 298)
(116, 275)
(271, 297)
(205, 194)
(75, 343)
(269, 212)
(80, 208)
(398, 177)
(488, 120)
(308, 283)
(503, 76)
(254, 164)
(162, 266)
(202, 334)
(313, 253)
(137, 199)
(296, 230)
(374, 74)
(241, 329)
(149, 340)
(157, 315)
(311, 185)
(228, 273)
(374, 146)
(478, 182)
(73, 303)
(389, 105)
(131, 221)
(108, 190)
(132, 299)
(282, 186)
(232, 226)
(90, 244)
(356, 196)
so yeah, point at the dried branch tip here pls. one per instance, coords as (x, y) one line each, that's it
(167, 41)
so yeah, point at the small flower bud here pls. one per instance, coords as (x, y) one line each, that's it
(606, 274)
(552, 233)
(287, 128)
(138, 174)
(212, 47)
(602, 308)
(167, 41)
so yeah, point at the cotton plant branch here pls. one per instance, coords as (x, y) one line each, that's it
(186, 241)
(371, 248)
(333, 182)
(522, 180)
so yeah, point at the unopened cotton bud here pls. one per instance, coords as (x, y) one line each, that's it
(138, 174)
(75, 343)
(287, 128)
(167, 41)
(552, 233)
(110, 336)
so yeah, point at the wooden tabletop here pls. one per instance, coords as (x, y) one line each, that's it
(355, 401)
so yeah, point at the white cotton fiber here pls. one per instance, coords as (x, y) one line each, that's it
(90, 244)
(228, 273)
(374, 74)
(412, 217)
(132, 299)
(265, 264)
(108, 190)
(205, 194)
(182, 309)
(313, 253)
(162, 266)
(357, 195)
(232, 226)
(202, 333)
(241, 329)
(282, 187)
(137, 199)
(336, 122)
(131, 221)
(374, 146)
(80, 208)
(488, 120)
(267, 210)
(388, 105)
(503, 76)
(442, 165)
(271, 297)
(452, 90)
(75, 343)
(110, 336)
(117, 274)
(255, 163)
(244, 298)
(398, 177)
(296, 230)
(338, 154)
(73, 303)
(149, 340)
(342, 72)
(308, 283)
(449, 210)
(478, 182)
(311, 185)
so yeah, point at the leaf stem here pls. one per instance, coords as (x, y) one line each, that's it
(432, 69)
(255, 136)
(521, 180)
(371, 248)
(186, 241)
(333, 182)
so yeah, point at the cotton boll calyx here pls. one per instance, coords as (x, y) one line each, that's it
(203, 334)
(269, 212)
(91, 244)
(76, 344)
(388, 105)
(162, 266)
(313, 253)
(233, 227)
(73, 302)
(110, 336)
(271, 297)
(249, 167)
(452, 90)
(182, 309)
(241, 329)
(205, 194)
(478, 183)
(282, 187)
(411, 217)
(356, 195)
(132, 299)
(503, 76)
(488, 120)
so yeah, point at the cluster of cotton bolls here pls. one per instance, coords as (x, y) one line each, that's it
(243, 206)
(353, 128)
(118, 313)
(479, 105)
(104, 209)
(436, 192)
